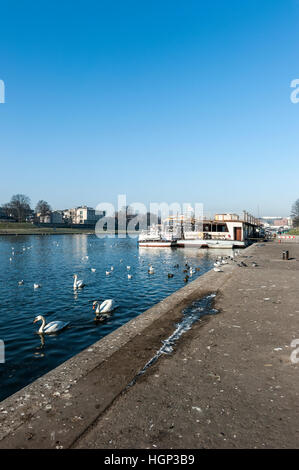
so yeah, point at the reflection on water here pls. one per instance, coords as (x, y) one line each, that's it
(52, 261)
(80, 245)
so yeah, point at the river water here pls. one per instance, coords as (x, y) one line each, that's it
(51, 261)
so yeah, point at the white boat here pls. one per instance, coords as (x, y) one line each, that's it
(224, 231)
(207, 244)
(157, 236)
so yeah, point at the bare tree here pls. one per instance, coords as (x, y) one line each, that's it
(18, 207)
(295, 213)
(43, 208)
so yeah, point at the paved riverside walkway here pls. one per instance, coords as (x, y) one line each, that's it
(229, 383)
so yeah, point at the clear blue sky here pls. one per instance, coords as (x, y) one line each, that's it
(161, 100)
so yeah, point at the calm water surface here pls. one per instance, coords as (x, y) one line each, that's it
(51, 261)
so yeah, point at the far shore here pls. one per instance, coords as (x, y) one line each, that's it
(29, 229)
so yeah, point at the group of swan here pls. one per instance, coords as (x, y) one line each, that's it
(103, 311)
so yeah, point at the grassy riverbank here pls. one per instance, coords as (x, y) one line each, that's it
(31, 229)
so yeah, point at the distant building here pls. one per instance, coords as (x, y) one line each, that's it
(44, 219)
(56, 217)
(50, 218)
(85, 215)
(69, 215)
(277, 222)
(281, 222)
(82, 215)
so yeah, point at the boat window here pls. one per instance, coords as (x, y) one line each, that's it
(222, 228)
(215, 228)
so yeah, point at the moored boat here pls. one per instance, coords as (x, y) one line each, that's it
(157, 236)
(223, 231)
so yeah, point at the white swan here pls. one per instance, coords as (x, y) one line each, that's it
(52, 327)
(107, 306)
(78, 284)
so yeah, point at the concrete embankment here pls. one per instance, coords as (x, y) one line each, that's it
(229, 382)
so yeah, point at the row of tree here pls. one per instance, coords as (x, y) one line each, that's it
(19, 208)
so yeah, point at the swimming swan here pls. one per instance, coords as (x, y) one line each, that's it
(78, 284)
(52, 327)
(107, 306)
